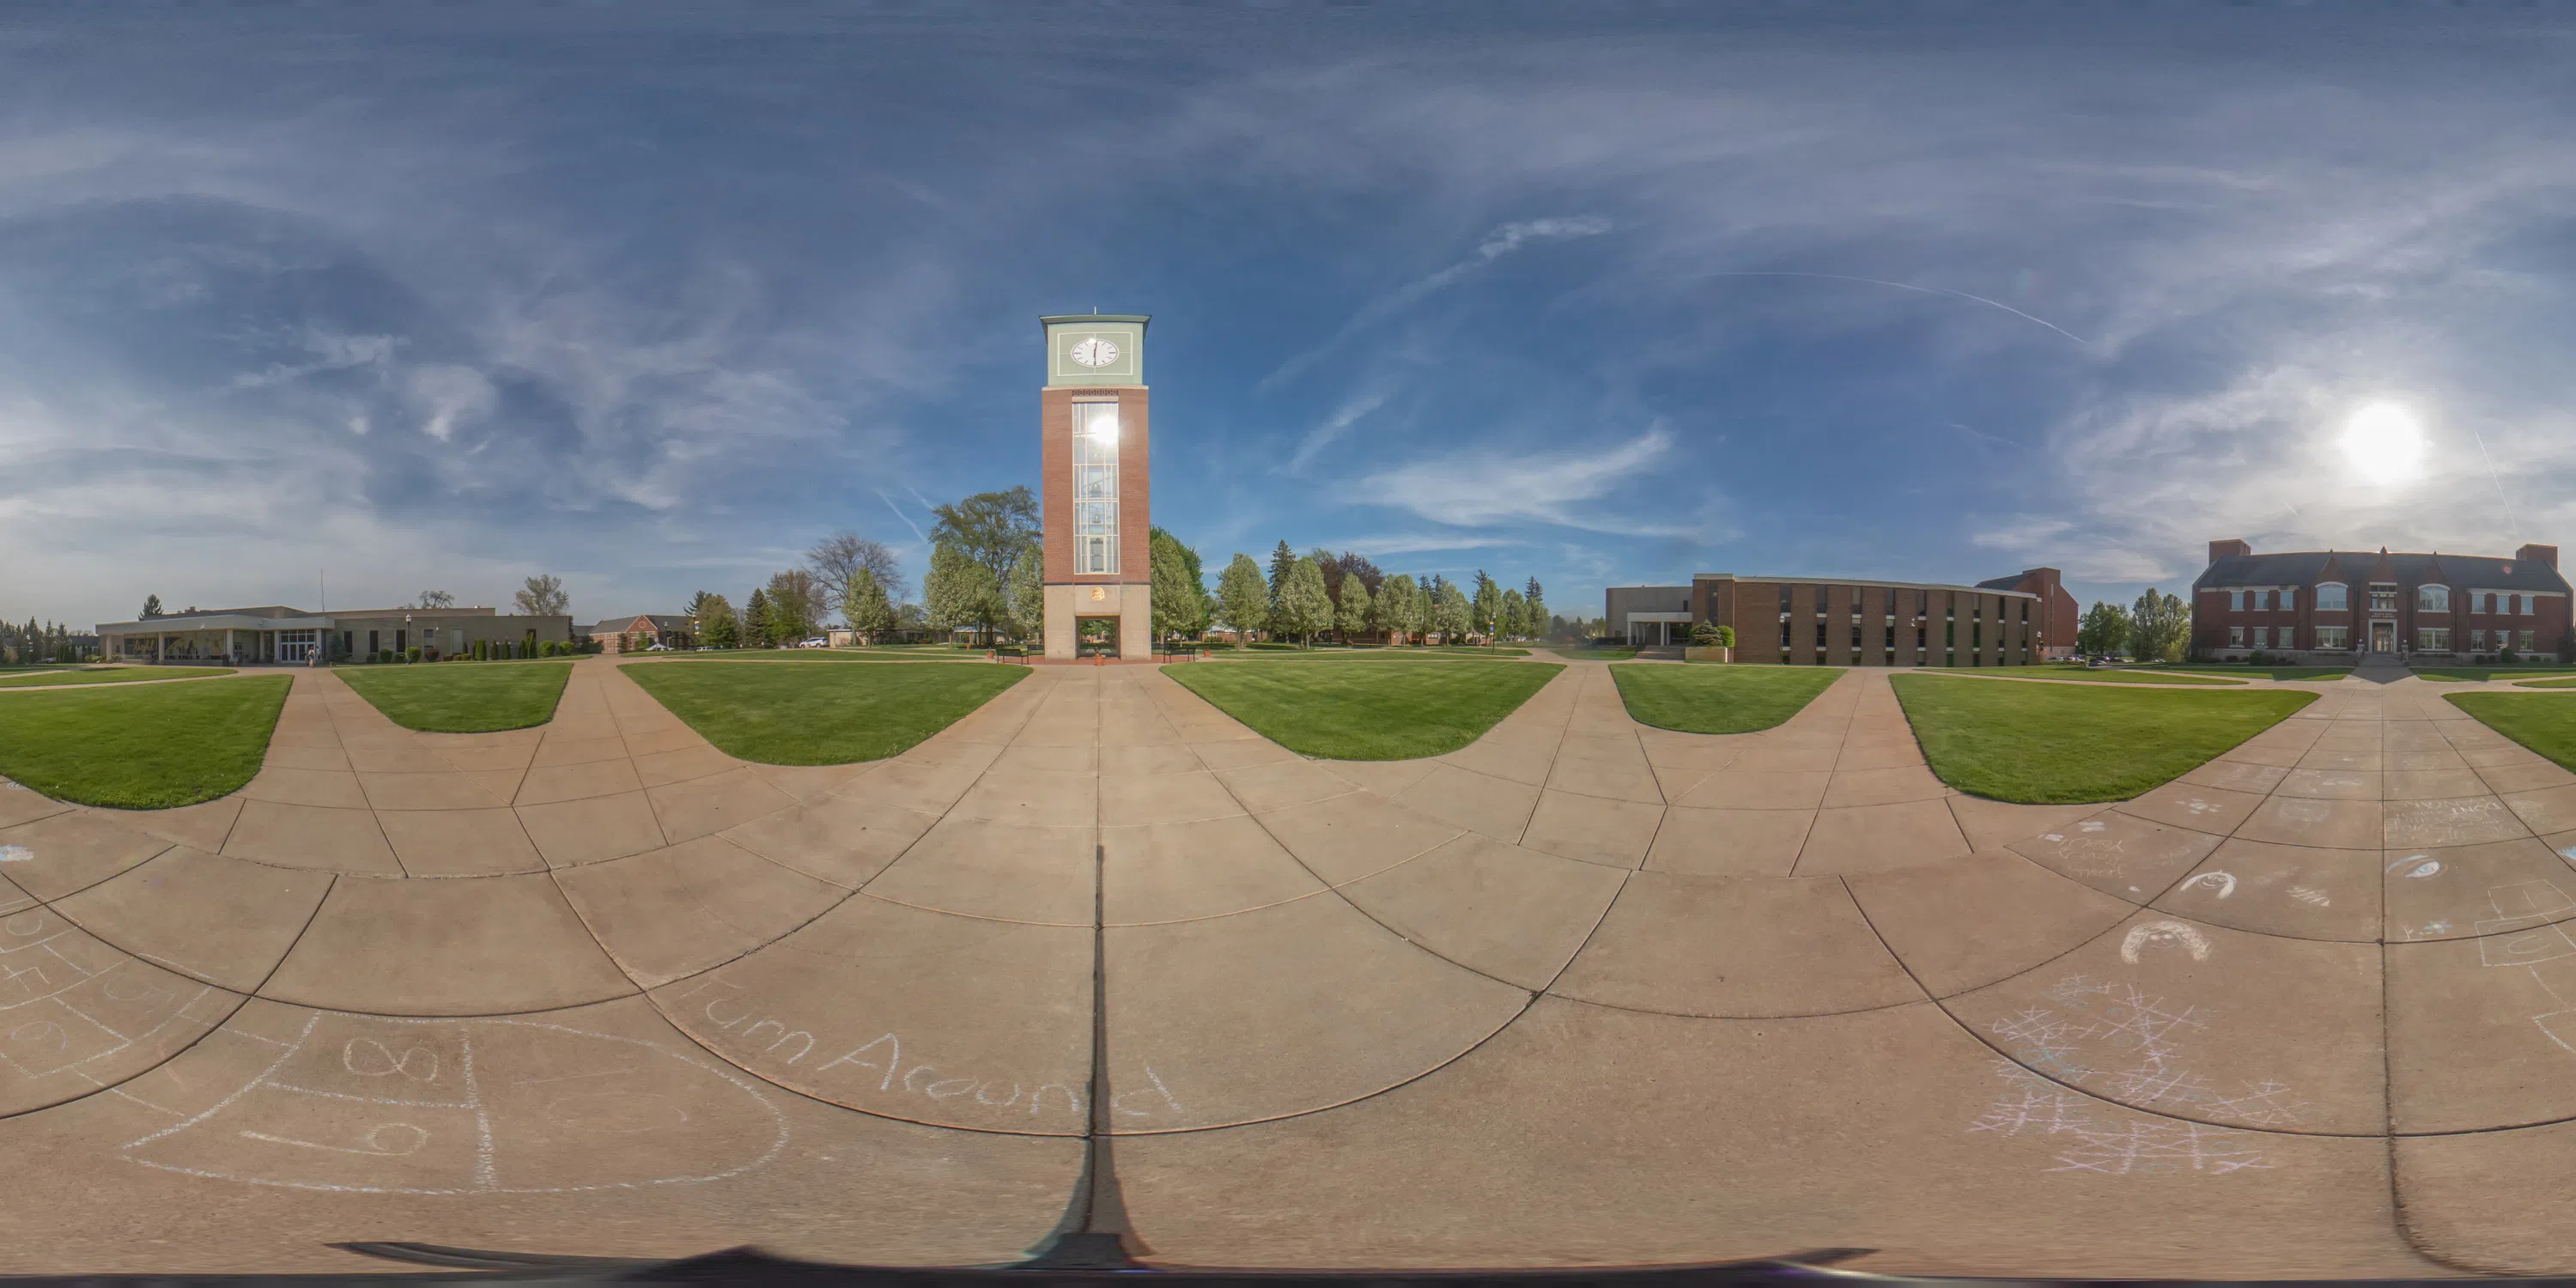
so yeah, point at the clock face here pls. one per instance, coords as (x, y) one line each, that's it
(1094, 351)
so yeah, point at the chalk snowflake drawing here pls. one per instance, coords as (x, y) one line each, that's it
(2115, 1040)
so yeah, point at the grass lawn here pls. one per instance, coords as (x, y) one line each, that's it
(1350, 710)
(830, 715)
(2257, 672)
(2043, 744)
(2544, 722)
(462, 697)
(1738, 698)
(2083, 675)
(150, 747)
(884, 653)
(2475, 674)
(1609, 653)
(17, 679)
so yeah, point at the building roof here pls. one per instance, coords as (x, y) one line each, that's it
(618, 625)
(2308, 567)
(1987, 586)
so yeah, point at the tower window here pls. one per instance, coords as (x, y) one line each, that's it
(1095, 488)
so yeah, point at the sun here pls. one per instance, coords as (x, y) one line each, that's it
(2384, 442)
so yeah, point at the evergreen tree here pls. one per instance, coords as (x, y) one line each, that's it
(865, 606)
(1539, 623)
(1486, 607)
(1357, 611)
(755, 620)
(151, 609)
(1281, 560)
(1304, 608)
(1242, 599)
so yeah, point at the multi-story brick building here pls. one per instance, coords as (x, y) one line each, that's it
(2332, 605)
(1818, 621)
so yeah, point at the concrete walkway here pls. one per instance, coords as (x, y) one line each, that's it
(1581, 992)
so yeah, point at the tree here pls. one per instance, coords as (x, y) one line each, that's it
(1451, 613)
(151, 608)
(1357, 611)
(1487, 606)
(756, 631)
(1028, 593)
(543, 596)
(837, 557)
(795, 605)
(1512, 618)
(2159, 628)
(717, 627)
(1242, 599)
(1281, 560)
(1304, 608)
(990, 530)
(864, 605)
(1540, 623)
(1399, 608)
(960, 591)
(2104, 630)
(1180, 602)
(436, 599)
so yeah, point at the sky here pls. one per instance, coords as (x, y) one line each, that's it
(337, 304)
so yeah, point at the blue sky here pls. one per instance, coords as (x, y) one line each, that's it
(654, 297)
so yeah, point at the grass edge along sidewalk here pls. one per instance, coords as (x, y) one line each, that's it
(68, 676)
(1367, 710)
(462, 697)
(819, 715)
(2542, 722)
(2052, 744)
(1719, 699)
(154, 746)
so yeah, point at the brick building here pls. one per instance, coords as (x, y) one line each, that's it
(1095, 492)
(2330, 605)
(643, 631)
(1814, 621)
(2058, 617)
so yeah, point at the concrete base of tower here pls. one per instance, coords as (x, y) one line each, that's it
(1129, 606)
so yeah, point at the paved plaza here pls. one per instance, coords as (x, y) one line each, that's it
(1583, 992)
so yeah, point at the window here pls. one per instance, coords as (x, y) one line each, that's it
(2526, 641)
(2433, 639)
(1784, 633)
(2330, 597)
(2478, 641)
(2235, 637)
(2383, 599)
(1784, 599)
(2333, 637)
(2262, 637)
(1095, 488)
(2271, 599)
(1855, 636)
(2526, 604)
(1923, 603)
(2432, 599)
(2290, 600)
(1820, 637)
(1891, 635)
(2236, 601)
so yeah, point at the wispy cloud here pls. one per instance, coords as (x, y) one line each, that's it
(1334, 427)
(1498, 243)
(1482, 488)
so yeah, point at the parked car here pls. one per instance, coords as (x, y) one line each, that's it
(814, 643)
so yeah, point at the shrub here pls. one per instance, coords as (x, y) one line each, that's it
(2508, 657)
(411, 654)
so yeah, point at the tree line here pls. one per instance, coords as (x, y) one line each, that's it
(31, 643)
(2156, 629)
(1303, 597)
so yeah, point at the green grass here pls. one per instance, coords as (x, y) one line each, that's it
(111, 675)
(1607, 653)
(1719, 699)
(2083, 675)
(2544, 722)
(2474, 674)
(462, 697)
(1350, 710)
(2045, 744)
(2563, 682)
(2261, 672)
(148, 747)
(829, 715)
(885, 653)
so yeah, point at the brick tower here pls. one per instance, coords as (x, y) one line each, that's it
(1096, 495)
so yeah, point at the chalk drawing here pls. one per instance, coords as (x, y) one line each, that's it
(383, 1105)
(2126, 1045)
(77, 1015)
(2527, 932)
(2156, 933)
(2311, 895)
(2222, 882)
(2418, 866)
(16, 854)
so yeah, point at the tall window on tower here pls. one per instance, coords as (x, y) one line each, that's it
(1095, 488)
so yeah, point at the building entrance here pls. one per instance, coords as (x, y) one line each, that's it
(2383, 637)
(1096, 636)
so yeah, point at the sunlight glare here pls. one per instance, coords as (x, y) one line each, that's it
(2384, 442)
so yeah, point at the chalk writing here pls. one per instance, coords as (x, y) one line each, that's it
(2155, 933)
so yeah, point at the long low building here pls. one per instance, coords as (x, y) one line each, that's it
(277, 633)
(1821, 621)
(2333, 605)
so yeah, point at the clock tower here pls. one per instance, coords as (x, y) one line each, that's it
(1096, 495)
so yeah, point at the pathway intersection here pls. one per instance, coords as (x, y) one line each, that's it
(1582, 992)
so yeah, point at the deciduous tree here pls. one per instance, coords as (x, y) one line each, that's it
(717, 626)
(960, 591)
(1357, 611)
(1539, 623)
(1399, 608)
(1487, 606)
(795, 605)
(1242, 598)
(1028, 594)
(2159, 628)
(1451, 614)
(543, 596)
(836, 557)
(864, 605)
(990, 530)
(436, 599)
(1304, 608)
(1512, 619)
(1180, 602)
(2105, 629)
